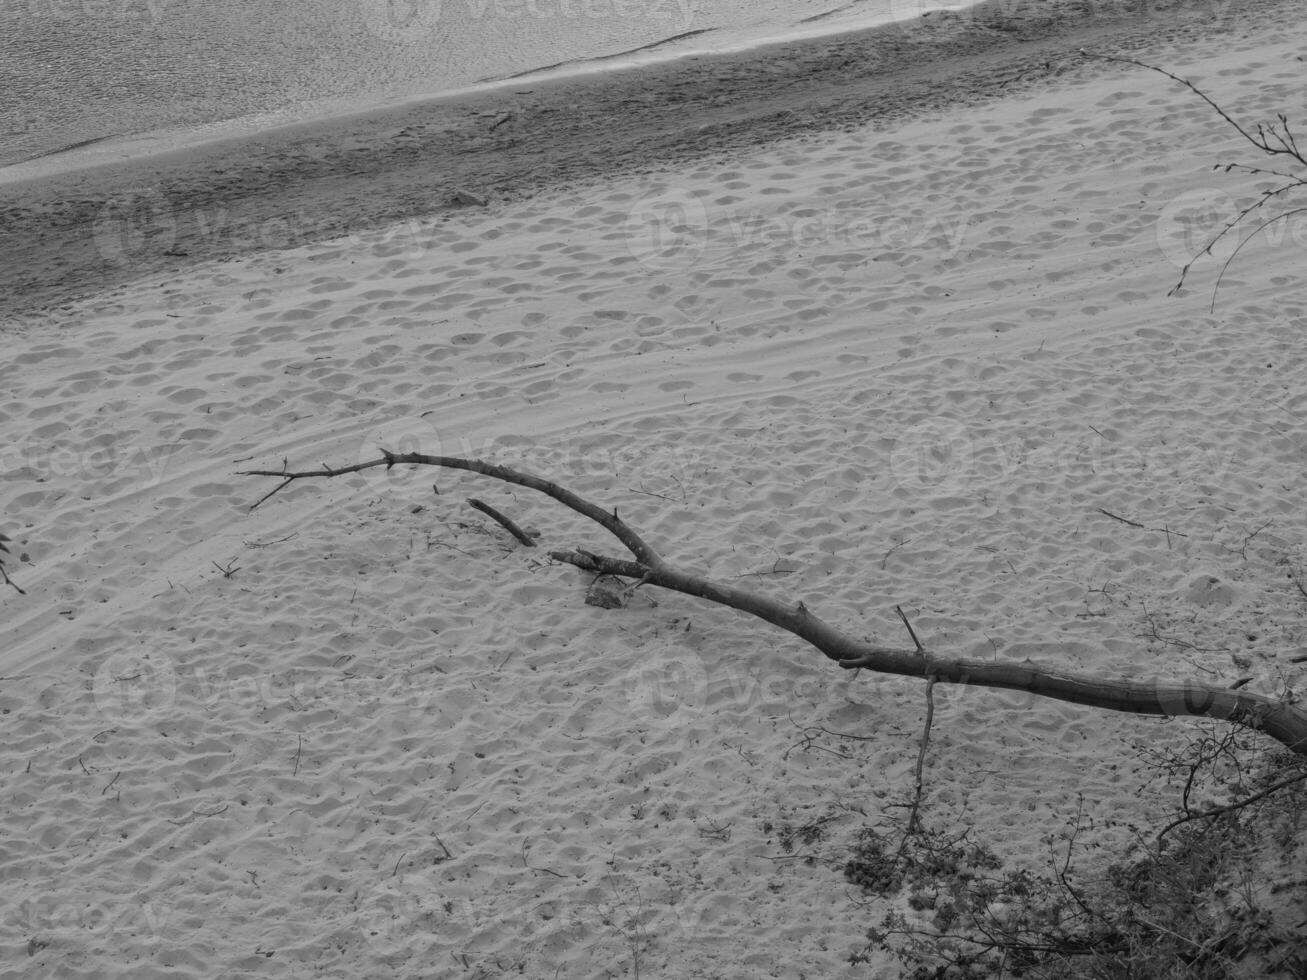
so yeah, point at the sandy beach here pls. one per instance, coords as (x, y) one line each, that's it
(858, 335)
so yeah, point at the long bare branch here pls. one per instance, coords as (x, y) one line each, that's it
(610, 522)
(1278, 719)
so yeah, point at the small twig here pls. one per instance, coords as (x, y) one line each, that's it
(1165, 529)
(911, 632)
(505, 522)
(650, 493)
(774, 570)
(299, 748)
(268, 544)
(899, 544)
(531, 867)
(199, 813)
(1242, 550)
(1123, 520)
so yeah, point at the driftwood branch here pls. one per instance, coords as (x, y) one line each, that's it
(1279, 719)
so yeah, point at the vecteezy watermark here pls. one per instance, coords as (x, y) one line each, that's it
(406, 905)
(82, 12)
(942, 455)
(401, 20)
(410, 904)
(667, 230)
(134, 688)
(140, 463)
(933, 455)
(403, 435)
(144, 224)
(1192, 221)
(675, 230)
(667, 691)
(1209, 221)
(130, 688)
(76, 919)
(406, 21)
(133, 224)
(704, 918)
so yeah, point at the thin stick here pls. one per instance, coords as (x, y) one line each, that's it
(914, 822)
(1117, 517)
(505, 522)
(911, 632)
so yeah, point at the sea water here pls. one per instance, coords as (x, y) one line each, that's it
(74, 72)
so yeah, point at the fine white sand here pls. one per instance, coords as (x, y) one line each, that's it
(359, 732)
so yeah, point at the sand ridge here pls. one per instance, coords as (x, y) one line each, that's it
(867, 368)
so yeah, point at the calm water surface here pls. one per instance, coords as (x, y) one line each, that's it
(80, 70)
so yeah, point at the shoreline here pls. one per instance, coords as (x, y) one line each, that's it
(235, 119)
(76, 233)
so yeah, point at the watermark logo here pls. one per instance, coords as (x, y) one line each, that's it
(132, 224)
(82, 917)
(673, 230)
(131, 688)
(932, 456)
(667, 231)
(401, 20)
(667, 692)
(143, 464)
(403, 907)
(1191, 221)
(700, 918)
(398, 436)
